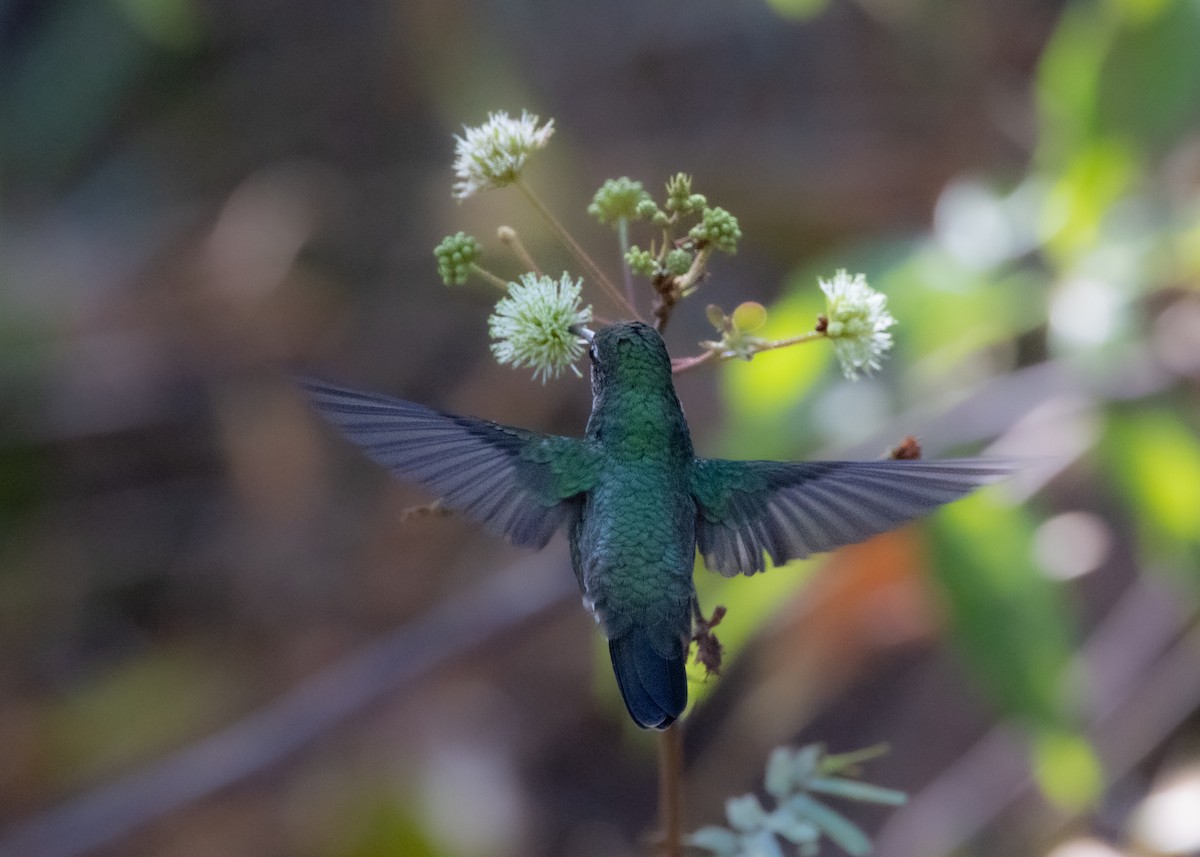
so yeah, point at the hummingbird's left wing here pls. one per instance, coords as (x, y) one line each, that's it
(792, 509)
(519, 484)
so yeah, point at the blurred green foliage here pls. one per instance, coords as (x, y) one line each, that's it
(1118, 95)
(1075, 258)
(1155, 458)
(384, 824)
(137, 709)
(1009, 619)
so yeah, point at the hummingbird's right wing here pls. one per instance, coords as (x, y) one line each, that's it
(519, 484)
(792, 509)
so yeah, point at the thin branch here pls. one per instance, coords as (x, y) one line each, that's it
(811, 336)
(686, 364)
(584, 259)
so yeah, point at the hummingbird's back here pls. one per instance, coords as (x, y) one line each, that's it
(634, 544)
(636, 415)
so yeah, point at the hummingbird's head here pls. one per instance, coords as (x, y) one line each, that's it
(630, 354)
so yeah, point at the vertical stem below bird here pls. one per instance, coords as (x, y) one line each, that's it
(670, 789)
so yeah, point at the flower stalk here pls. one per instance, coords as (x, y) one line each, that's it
(592, 269)
(509, 237)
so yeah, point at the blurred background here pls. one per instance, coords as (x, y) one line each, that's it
(219, 634)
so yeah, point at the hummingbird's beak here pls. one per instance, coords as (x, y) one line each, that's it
(582, 332)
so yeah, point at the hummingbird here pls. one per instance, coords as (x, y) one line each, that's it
(637, 502)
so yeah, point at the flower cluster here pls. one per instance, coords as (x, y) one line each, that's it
(798, 818)
(455, 256)
(677, 261)
(532, 323)
(620, 199)
(719, 228)
(856, 321)
(642, 262)
(536, 325)
(680, 198)
(493, 154)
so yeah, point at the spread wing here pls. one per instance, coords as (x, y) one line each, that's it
(792, 509)
(519, 484)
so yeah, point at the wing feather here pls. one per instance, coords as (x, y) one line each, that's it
(520, 484)
(789, 510)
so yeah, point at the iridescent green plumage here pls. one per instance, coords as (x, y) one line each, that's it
(633, 547)
(637, 502)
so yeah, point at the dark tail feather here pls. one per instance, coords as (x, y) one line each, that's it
(654, 688)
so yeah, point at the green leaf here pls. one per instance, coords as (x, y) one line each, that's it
(1158, 460)
(1099, 175)
(854, 790)
(716, 839)
(745, 813)
(798, 831)
(1154, 457)
(781, 765)
(1149, 85)
(835, 825)
(1068, 80)
(760, 844)
(1008, 620)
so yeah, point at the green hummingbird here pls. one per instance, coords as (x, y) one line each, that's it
(637, 502)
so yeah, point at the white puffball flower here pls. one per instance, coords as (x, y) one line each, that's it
(537, 325)
(857, 323)
(493, 154)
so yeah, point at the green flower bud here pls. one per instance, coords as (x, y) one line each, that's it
(719, 228)
(641, 262)
(749, 316)
(619, 199)
(647, 209)
(678, 261)
(680, 198)
(455, 256)
(717, 317)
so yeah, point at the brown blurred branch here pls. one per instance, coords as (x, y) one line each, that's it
(511, 599)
